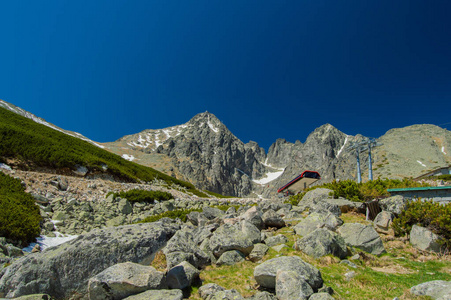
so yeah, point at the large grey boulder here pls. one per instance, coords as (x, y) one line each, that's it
(276, 240)
(383, 221)
(317, 195)
(258, 252)
(322, 242)
(209, 289)
(346, 205)
(182, 247)
(230, 258)
(265, 273)
(315, 220)
(254, 216)
(123, 280)
(272, 219)
(158, 295)
(263, 296)
(321, 296)
(438, 289)
(226, 295)
(424, 239)
(212, 212)
(363, 237)
(292, 286)
(74, 262)
(240, 236)
(182, 276)
(395, 204)
(324, 207)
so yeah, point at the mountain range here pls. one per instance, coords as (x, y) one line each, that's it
(204, 152)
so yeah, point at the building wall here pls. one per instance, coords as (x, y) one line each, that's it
(442, 195)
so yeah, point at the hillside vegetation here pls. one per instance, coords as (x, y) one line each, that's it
(19, 215)
(360, 192)
(36, 145)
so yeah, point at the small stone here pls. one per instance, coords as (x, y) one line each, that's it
(36, 248)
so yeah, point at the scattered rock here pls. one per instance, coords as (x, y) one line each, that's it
(83, 258)
(272, 219)
(241, 236)
(258, 252)
(382, 222)
(435, 289)
(395, 204)
(276, 240)
(182, 276)
(315, 221)
(158, 295)
(363, 237)
(209, 289)
(230, 258)
(291, 285)
(321, 296)
(265, 273)
(322, 242)
(424, 239)
(123, 280)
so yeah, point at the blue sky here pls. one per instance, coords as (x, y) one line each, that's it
(266, 69)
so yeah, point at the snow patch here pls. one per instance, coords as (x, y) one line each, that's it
(342, 147)
(128, 157)
(212, 127)
(269, 177)
(443, 150)
(421, 163)
(5, 166)
(47, 242)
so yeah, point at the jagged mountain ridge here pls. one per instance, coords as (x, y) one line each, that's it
(204, 152)
(196, 152)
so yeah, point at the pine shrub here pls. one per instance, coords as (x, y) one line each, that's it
(428, 214)
(144, 196)
(19, 215)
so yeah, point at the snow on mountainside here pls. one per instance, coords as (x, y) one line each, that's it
(31, 116)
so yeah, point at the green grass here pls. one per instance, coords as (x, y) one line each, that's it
(385, 277)
(35, 145)
(143, 196)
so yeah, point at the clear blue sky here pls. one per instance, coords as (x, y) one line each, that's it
(267, 69)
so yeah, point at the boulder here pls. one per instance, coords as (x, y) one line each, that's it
(182, 276)
(363, 237)
(158, 295)
(258, 252)
(317, 195)
(321, 296)
(123, 280)
(74, 262)
(424, 239)
(276, 240)
(240, 236)
(209, 289)
(230, 258)
(34, 297)
(324, 207)
(254, 216)
(382, 222)
(292, 286)
(346, 205)
(182, 247)
(322, 242)
(124, 207)
(274, 205)
(315, 220)
(437, 289)
(265, 273)
(263, 296)
(272, 219)
(226, 295)
(212, 213)
(395, 204)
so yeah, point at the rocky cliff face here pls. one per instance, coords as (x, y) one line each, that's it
(204, 152)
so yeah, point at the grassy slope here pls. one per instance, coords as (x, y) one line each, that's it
(40, 146)
(391, 275)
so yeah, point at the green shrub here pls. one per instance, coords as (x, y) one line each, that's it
(429, 214)
(446, 177)
(359, 192)
(19, 215)
(143, 196)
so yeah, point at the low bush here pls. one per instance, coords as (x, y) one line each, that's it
(144, 196)
(445, 177)
(360, 192)
(429, 214)
(19, 215)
